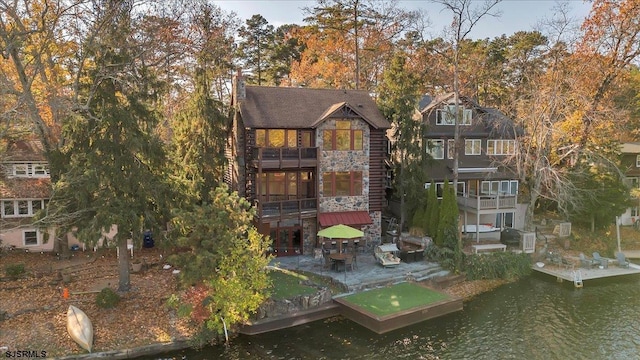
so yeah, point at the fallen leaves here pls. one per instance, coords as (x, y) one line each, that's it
(37, 309)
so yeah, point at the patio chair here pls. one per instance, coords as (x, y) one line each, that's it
(604, 262)
(587, 263)
(352, 251)
(348, 263)
(328, 264)
(622, 260)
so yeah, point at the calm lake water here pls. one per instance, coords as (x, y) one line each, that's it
(535, 318)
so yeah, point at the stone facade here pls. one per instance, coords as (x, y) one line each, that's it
(309, 231)
(344, 161)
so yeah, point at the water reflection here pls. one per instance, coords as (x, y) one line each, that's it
(531, 319)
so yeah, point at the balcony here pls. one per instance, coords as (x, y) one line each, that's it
(287, 208)
(283, 158)
(487, 203)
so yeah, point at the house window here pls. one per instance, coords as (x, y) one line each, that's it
(22, 208)
(637, 160)
(501, 147)
(8, 208)
(40, 170)
(307, 139)
(504, 187)
(435, 148)
(30, 237)
(281, 186)
(276, 138)
(20, 170)
(472, 147)
(451, 148)
(440, 188)
(343, 137)
(446, 115)
(342, 183)
(28, 170)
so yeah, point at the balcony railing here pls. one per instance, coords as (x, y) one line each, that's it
(287, 208)
(488, 202)
(285, 157)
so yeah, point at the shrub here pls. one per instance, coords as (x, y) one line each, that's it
(442, 255)
(498, 265)
(107, 298)
(14, 270)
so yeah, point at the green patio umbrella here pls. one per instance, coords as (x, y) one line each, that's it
(340, 231)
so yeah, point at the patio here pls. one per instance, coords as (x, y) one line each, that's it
(367, 272)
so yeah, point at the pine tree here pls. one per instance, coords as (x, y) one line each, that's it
(398, 101)
(199, 143)
(448, 223)
(114, 159)
(256, 47)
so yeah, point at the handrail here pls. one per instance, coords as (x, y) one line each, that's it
(280, 154)
(484, 202)
(285, 207)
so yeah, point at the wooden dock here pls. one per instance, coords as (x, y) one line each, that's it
(399, 319)
(631, 254)
(568, 273)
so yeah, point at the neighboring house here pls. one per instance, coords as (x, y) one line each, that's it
(630, 164)
(487, 190)
(308, 159)
(24, 190)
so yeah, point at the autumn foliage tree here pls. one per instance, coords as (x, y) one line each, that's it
(225, 262)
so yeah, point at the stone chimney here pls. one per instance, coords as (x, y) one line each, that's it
(239, 90)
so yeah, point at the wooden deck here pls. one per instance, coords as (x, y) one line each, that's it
(567, 273)
(400, 319)
(631, 254)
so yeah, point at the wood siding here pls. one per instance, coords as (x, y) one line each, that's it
(377, 172)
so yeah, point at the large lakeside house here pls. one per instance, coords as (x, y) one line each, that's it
(487, 190)
(308, 159)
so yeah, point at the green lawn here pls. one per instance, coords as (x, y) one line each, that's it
(288, 284)
(392, 299)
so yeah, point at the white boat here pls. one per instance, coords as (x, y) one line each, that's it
(80, 328)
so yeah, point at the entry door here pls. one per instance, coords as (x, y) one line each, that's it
(287, 241)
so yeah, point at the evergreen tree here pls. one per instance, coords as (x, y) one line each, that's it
(256, 47)
(448, 223)
(114, 160)
(398, 101)
(418, 217)
(599, 196)
(287, 48)
(199, 143)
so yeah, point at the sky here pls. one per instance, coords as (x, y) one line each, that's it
(516, 15)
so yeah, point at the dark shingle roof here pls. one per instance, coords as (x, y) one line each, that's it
(25, 188)
(297, 108)
(24, 150)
